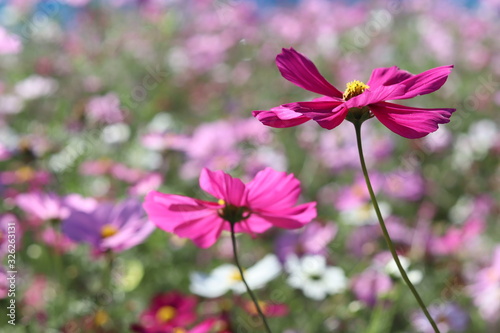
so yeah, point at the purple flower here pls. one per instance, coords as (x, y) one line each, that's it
(404, 185)
(449, 317)
(313, 239)
(116, 227)
(370, 285)
(105, 109)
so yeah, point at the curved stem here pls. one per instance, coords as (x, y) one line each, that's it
(388, 240)
(254, 299)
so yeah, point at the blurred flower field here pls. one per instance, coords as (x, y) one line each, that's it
(102, 102)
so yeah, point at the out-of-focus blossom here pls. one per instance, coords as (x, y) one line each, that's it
(384, 84)
(227, 277)
(10, 104)
(268, 200)
(475, 145)
(364, 240)
(386, 261)
(449, 317)
(404, 185)
(57, 240)
(364, 214)
(370, 285)
(105, 109)
(9, 43)
(36, 86)
(123, 172)
(313, 239)
(96, 168)
(150, 182)
(356, 195)
(269, 309)
(43, 206)
(165, 141)
(456, 238)
(166, 313)
(485, 289)
(311, 274)
(116, 227)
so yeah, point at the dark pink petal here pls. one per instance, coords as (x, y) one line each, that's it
(280, 117)
(273, 190)
(223, 186)
(204, 232)
(372, 96)
(167, 211)
(291, 218)
(411, 123)
(301, 71)
(425, 83)
(250, 226)
(387, 76)
(328, 114)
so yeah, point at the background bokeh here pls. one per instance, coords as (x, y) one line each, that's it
(111, 99)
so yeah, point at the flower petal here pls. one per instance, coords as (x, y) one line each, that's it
(411, 123)
(328, 114)
(167, 211)
(280, 117)
(425, 83)
(223, 186)
(273, 191)
(387, 76)
(301, 71)
(204, 232)
(291, 218)
(372, 96)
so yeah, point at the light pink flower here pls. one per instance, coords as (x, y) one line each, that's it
(268, 200)
(9, 43)
(333, 107)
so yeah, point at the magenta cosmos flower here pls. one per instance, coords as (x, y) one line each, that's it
(254, 207)
(359, 100)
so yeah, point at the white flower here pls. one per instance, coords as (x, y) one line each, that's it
(391, 268)
(311, 274)
(36, 86)
(365, 214)
(227, 277)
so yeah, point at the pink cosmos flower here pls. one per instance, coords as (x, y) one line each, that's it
(333, 107)
(254, 207)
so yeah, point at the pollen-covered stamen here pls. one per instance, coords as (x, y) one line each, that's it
(354, 88)
(108, 230)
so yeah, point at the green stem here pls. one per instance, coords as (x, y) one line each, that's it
(254, 299)
(357, 126)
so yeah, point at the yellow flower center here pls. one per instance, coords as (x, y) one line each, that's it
(236, 276)
(354, 88)
(179, 330)
(101, 317)
(221, 202)
(165, 314)
(253, 309)
(108, 230)
(25, 173)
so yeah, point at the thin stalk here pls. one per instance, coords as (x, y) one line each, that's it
(254, 299)
(357, 126)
